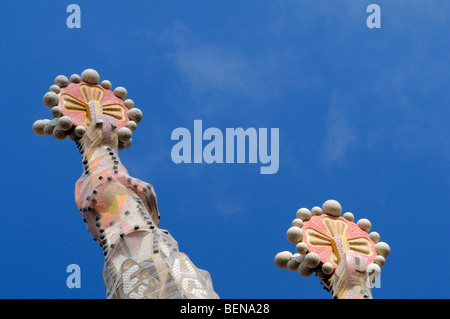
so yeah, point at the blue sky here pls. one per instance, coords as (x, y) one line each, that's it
(363, 118)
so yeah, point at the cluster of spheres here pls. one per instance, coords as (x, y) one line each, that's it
(307, 262)
(62, 126)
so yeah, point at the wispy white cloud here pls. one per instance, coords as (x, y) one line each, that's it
(340, 134)
(215, 67)
(395, 118)
(209, 67)
(396, 108)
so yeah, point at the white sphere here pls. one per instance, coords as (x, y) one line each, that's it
(65, 123)
(73, 137)
(349, 216)
(292, 265)
(375, 236)
(125, 145)
(50, 99)
(364, 224)
(75, 78)
(379, 260)
(332, 207)
(301, 248)
(129, 103)
(49, 126)
(106, 84)
(304, 270)
(282, 258)
(297, 223)
(56, 111)
(54, 88)
(294, 235)
(79, 131)
(58, 133)
(316, 210)
(383, 249)
(124, 134)
(327, 268)
(132, 125)
(48, 129)
(135, 114)
(61, 81)
(312, 260)
(121, 92)
(90, 76)
(304, 214)
(38, 127)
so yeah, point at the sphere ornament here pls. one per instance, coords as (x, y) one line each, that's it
(90, 76)
(38, 127)
(57, 111)
(59, 133)
(106, 84)
(303, 214)
(131, 125)
(349, 216)
(292, 265)
(294, 234)
(61, 81)
(316, 210)
(332, 207)
(121, 92)
(54, 88)
(79, 131)
(135, 115)
(375, 236)
(380, 260)
(364, 224)
(75, 78)
(50, 99)
(327, 268)
(124, 134)
(297, 222)
(301, 248)
(383, 249)
(129, 103)
(304, 270)
(312, 260)
(65, 123)
(282, 259)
